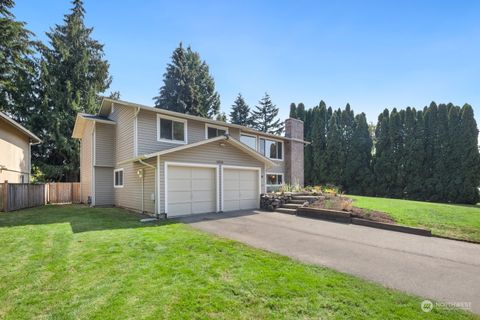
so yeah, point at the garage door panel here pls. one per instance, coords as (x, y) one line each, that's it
(203, 184)
(179, 197)
(203, 206)
(179, 172)
(176, 209)
(206, 195)
(179, 185)
(248, 194)
(191, 190)
(240, 189)
(231, 205)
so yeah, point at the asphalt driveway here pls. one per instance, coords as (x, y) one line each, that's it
(440, 269)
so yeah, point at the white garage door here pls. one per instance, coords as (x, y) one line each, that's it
(240, 189)
(191, 190)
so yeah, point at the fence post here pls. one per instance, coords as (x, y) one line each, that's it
(5, 196)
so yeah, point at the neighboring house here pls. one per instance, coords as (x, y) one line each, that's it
(15, 151)
(158, 161)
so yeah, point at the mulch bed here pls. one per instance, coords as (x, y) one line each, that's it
(336, 202)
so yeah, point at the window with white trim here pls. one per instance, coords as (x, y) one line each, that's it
(171, 129)
(212, 131)
(249, 140)
(118, 178)
(274, 181)
(271, 149)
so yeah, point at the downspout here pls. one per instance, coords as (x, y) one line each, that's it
(155, 172)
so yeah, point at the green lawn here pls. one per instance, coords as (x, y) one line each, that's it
(72, 262)
(455, 221)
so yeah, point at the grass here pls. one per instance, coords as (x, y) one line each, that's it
(455, 221)
(73, 262)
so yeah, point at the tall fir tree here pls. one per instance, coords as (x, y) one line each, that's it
(332, 151)
(188, 86)
(308, 165)
(358, 172)
(319, 143)
(73, 73)
(454, 186)
(18, 67)
(293, 111)
(240, 113)
(264, 117)
(470, 161)
(430, 120)
(382, 164)
(301, 111)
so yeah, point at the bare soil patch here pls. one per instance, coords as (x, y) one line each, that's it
(341, 203)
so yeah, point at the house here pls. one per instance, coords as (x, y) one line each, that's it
(164, 162)
(15, 151)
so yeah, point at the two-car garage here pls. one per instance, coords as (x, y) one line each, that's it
(202, 188)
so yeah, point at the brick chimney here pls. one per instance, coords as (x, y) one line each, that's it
(294, 170)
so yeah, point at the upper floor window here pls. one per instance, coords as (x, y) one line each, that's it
(249, 140)
(271, 149)
(171, 129)
(212, 131)
(118, 178)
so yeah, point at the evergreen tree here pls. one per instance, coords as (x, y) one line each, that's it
(73, 73)
(410, 161)
(308, 165)
(221, 116)
(430, 184)
(470, 158)
(454, 166)
(319, 144)
(301, 111)
(264, 117)
(18, 68)
(382, 164)
(240, 113)
(293, 111)
(441, 174)
(332, 151)
(395, 154)
(188, 86)
(358, 174)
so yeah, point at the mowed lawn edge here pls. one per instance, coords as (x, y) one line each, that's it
(74, 262)
(448, 220)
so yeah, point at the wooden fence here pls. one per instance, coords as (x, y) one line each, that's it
(16, 196)
(63, 192)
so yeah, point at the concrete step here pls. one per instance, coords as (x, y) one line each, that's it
(292, 205)
(286, 210)
(305, 198)
(297, 201)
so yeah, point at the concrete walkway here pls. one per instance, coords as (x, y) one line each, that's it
(440, 269)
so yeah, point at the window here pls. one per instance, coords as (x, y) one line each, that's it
(249, 140)
(171, 129)
(118, 178)
(274, 181)
(271, 149)
(212, 131)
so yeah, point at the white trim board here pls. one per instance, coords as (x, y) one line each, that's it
(190, 164)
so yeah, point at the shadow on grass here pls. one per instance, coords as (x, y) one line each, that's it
(81, 218)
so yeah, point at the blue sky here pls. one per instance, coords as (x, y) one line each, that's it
(372, 54)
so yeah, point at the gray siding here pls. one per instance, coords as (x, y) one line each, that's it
(211, 153)
(104, 145)
(104, 186)
(86, 163)
(130, 196)
(124, 132)
(147, 133)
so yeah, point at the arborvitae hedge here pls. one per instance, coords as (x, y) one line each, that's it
(430, 154)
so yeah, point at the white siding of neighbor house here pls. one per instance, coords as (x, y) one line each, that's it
(15, 153)
(86, 162)
(211, 153)
(124, 132)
